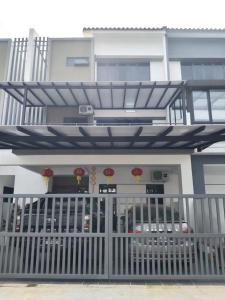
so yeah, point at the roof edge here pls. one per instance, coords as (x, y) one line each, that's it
(152, 29)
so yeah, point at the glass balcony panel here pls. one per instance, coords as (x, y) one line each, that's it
(217, 100)
(200, 105)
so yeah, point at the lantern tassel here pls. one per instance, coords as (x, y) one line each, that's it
(46, 180)
(137, 179)
(109, 179)
(78, 179)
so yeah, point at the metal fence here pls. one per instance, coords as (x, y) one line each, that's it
(112, 236)
(12, 109)
(39, 70)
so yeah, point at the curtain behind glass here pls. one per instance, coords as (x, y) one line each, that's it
(123, 71)
(203, 71)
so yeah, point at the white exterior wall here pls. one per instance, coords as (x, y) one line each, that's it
(175, 70)
(125, 181)
(23, 180)
(157, 71)
(148, 45)
(128, 44)
(27, 181)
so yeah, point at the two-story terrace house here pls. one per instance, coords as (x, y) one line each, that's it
(124, 129)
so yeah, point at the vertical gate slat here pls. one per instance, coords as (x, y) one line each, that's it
(13, 229)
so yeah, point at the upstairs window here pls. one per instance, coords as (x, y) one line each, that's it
(77, 61)
(203, 71)
(123, 70)
(217, 103)
(208, 106)
(200, 106)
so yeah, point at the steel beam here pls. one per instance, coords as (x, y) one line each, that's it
(138, 91)
(150, 94)
(72, 93)
(163, 94)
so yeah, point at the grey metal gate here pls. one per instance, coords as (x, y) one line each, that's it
(53, 236)
(167, 237)
(112, 236)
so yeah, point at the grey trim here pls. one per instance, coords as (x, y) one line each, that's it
(124, 29)
(131, 57)
(198, 161)
(70, 39)
(198, 60)
(151, 29)
(100, 152)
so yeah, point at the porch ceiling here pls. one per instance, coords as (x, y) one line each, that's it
(113, 137)
(101, 95)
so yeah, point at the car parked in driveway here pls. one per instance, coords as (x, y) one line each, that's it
(158, 228)
(60, 215)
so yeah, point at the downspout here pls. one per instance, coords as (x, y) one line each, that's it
(166, 63)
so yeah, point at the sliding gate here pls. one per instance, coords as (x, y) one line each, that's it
(54, 236)
(112, 236)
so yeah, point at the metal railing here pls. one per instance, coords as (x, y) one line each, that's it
(112, 236)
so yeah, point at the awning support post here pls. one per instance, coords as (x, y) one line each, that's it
(24, 107)
(183, 95)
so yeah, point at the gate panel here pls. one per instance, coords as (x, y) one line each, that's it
(167, 236)
(115, 237)
(54, 236)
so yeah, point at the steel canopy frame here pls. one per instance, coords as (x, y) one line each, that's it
(107, 137)
(151, 95)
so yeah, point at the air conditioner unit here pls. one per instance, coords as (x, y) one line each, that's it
(159, 176)
(86, 110)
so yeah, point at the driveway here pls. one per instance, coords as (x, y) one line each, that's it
(73, 291)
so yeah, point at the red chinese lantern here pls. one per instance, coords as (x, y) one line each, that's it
(108, 172)
(78, 173)
(47, 173)
(137, 173)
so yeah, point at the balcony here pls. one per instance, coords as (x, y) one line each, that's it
(137, 115)
(35, 103)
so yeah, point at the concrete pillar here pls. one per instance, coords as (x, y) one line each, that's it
(30, 55)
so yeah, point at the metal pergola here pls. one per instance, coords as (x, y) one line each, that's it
(101, 95)
(110, 137)
(108, 95)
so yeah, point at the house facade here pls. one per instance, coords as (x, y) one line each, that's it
(119, 111)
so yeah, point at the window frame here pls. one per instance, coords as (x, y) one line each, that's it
(202, 62)
(123, 61)
(211, 121)
(78, 64)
